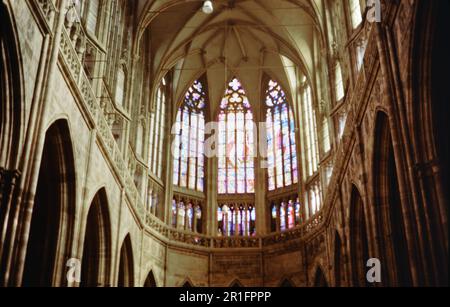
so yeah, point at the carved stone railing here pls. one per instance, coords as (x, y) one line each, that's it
(47, 10)
(88, 98)
(355, 99)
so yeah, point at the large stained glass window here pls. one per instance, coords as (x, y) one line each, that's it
(188, 152)
(282, 151)
(236, 170)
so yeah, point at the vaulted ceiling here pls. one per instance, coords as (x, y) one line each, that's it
(243, 38)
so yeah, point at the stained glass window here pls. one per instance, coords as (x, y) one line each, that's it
(283, 225)
(236, 220)
(189, 161)
(236, 171)
(282, 151)
(187, 215)
(286, 215)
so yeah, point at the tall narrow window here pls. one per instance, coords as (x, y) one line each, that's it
(92, 15)
(189, 158)
(311, 140)
(355, 12)
(282, 151)
(236, 142)
(157, 124)
(120, 87)
(360, 53)
(326, 136)
(339, 83)
(314, 198)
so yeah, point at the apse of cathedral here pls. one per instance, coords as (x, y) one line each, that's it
(224, 143)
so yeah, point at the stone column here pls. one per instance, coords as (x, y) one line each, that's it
(211, 222)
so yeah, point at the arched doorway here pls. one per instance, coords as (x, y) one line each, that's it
(320, 280)
(359, 242)
(150, 281)
(96, 262)
(126, 266)
(51, 229)
(388, 208)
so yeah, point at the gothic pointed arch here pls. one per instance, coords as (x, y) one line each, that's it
(339, 268)
(11, 91)
(96, 261)
(359, 240)
(150, 281)
(388, 207)
(236, 284)
(319, 278)
(187, 283)
(428, 107)
(126, 264)
(52, 223)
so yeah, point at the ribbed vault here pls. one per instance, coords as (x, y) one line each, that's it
(242, 38)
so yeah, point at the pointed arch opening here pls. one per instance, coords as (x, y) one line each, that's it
(236, 284)
(320, 280)
(388, 207)
(96, 261)
(51, 231)
(126, 264)
(188, 284)
(338, 260)
(11, 95)
(359, 240)
(150, 281)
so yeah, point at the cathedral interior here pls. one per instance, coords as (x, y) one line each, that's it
(224, 143)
